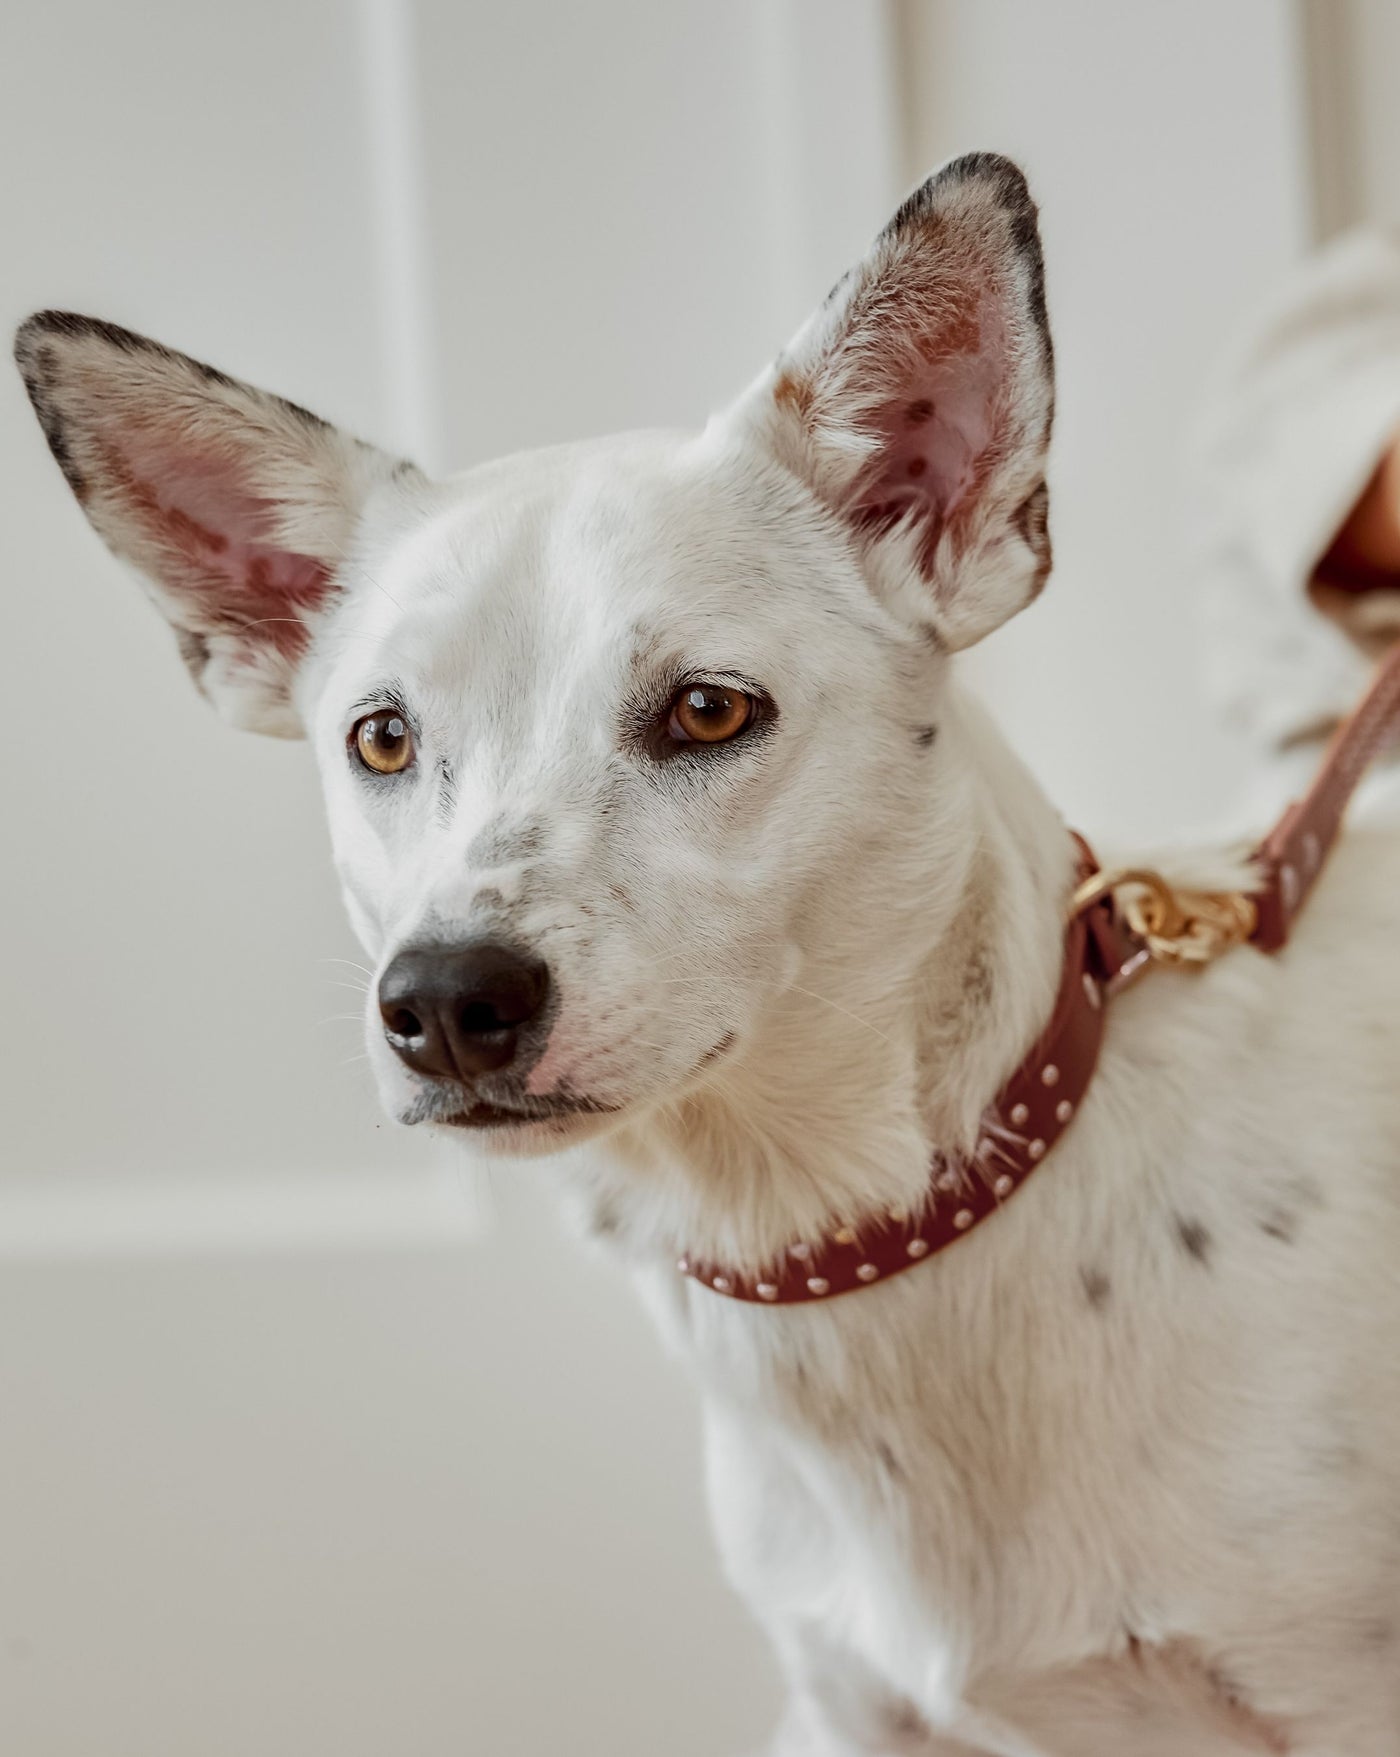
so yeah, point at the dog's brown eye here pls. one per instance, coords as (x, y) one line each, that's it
(383, 742)
(707, 713)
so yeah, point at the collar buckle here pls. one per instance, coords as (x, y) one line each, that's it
(1136, 917)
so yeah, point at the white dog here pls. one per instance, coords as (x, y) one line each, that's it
(657, 804)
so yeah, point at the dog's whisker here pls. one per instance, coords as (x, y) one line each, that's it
(362, 572)
(352, 963)
(826, 1001)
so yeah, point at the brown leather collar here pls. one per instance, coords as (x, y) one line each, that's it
(1040, 1100)
(1028, 1116)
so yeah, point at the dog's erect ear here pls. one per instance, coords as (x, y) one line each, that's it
(238, 507)
(916, 403)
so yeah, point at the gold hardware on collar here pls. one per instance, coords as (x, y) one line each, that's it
(1177, 926)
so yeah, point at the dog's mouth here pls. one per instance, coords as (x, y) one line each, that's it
(504, 1109)
(456, 1110)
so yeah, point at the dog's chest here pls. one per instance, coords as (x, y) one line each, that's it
(917, 1505)
(997, 1485)
(914, 1589)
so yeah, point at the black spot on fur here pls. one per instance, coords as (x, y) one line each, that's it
(1195, 1240)
(905, 1721)
(924, 736)
(607, 1222)
(891, 1466)
(1280, 1224)
(1096, 1287)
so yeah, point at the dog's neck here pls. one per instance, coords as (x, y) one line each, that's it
(877, 1053)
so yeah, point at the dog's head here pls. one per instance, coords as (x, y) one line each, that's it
(614, 737)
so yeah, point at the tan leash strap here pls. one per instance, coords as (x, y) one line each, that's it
(1293, 853)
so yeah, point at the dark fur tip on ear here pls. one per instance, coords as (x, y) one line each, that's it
(1003, 177)
(39, 341)
(72, 326)
(1002, 180)
(917, 402)
(37, 360)
(236, 505)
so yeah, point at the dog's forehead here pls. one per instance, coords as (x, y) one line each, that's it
(591, 555)
(558, 539)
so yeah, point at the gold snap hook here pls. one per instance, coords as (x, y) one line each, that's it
(1178, 926)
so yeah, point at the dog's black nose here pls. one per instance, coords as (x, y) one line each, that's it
(457, 1011)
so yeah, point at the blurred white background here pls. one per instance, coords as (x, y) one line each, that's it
(310, 1448)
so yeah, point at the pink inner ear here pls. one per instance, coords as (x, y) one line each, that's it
(937, 438)
(212, 530)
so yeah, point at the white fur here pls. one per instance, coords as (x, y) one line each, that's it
(1119, 1473)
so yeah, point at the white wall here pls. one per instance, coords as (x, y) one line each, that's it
(198, 173)
(300, 1458)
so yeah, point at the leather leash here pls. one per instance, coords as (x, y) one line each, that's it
(1292, 854)
(1119, 923)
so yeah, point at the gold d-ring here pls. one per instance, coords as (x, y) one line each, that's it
(1177, 926)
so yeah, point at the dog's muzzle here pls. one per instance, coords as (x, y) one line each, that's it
(461, 1013)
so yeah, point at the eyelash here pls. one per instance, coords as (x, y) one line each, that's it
(649, 725)
(388, 706)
